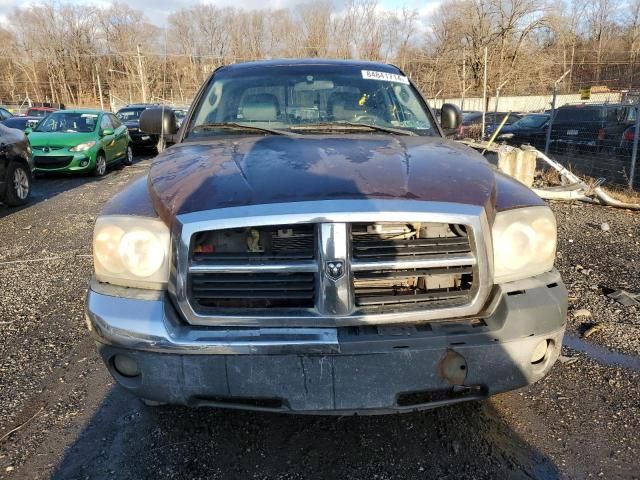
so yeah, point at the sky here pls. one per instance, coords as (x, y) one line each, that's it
(157, 11)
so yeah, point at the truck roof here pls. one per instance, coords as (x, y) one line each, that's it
(289, 62)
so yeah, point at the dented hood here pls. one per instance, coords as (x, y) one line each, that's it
(237, 171)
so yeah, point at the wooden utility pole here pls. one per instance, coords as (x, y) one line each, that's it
(484, 93)
(141, 74)
(464, 76)
(99, 88)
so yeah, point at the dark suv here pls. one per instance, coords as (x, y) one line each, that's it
(16, 167)
(130, 117)
(595, 127)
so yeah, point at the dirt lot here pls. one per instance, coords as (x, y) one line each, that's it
(581, 421)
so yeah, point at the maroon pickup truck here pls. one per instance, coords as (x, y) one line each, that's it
(314, 244)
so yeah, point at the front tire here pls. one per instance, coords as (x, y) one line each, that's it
(101, 165)
(128, 159)
(18, 185)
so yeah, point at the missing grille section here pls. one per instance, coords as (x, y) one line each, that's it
(401, 287)
(280, 242)
(252, 290)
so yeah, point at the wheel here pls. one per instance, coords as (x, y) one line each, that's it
(18, 185)
(161, 145)
(101, 165)
(128, 159)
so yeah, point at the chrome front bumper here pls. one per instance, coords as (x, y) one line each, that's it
(330, 370)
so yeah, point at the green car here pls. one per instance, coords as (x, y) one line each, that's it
(70, 141)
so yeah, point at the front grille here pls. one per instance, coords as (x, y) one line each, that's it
(51, 162)
(403, 266)
(352, 267)
(233, 269)
(47, 148)
(252, 290)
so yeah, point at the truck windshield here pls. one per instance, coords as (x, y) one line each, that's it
(310, 99)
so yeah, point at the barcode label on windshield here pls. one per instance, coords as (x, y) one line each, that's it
(384, 76)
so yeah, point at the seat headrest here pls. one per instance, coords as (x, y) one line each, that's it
(260, 107)
(343, 105)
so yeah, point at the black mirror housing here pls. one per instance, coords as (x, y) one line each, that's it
(450, 117)
(158, 121)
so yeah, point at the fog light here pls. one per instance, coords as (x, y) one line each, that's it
(126, 366)
(540, 352)
(84, 163)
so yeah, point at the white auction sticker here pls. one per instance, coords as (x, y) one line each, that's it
(384, 76)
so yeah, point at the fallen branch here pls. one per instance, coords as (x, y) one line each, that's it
(44, 259)
(21, 426)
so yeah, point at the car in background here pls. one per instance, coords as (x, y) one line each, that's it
(16, 167)
(130, 116)
(471, 126)
(494, 119)
(5, 114)
(40, 111)
(80, 141)
(21, 123)
(531, 129)
(626, 143)
(591, 126)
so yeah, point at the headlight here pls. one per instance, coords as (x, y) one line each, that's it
(131, 251)
(83, 146)
(505, 136)
(524, 243)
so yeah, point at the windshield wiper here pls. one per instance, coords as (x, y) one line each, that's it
(352, 125)
(239, 126)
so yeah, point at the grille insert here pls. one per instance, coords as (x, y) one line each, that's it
(253, 268)
(51, 162)
(253, 290)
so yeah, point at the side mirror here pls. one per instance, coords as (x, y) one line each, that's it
(107, 131)
(450, 117)
(28, 130)
(158, 121)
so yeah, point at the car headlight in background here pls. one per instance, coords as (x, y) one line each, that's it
(524, 243)
(83, 146)
(131, 251)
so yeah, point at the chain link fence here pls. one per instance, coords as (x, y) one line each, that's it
(591, 131)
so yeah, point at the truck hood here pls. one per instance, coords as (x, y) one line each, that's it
(242, 171)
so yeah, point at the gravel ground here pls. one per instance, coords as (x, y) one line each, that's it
(595, 260)
(581, 421)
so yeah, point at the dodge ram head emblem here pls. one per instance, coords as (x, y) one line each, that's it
(335, 269)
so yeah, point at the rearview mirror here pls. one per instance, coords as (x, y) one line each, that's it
(107, 131)
(28, 130)
(158, 121)
(450, 117)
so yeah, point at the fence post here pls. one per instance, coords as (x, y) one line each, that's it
(634, 152)
(551, 118)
